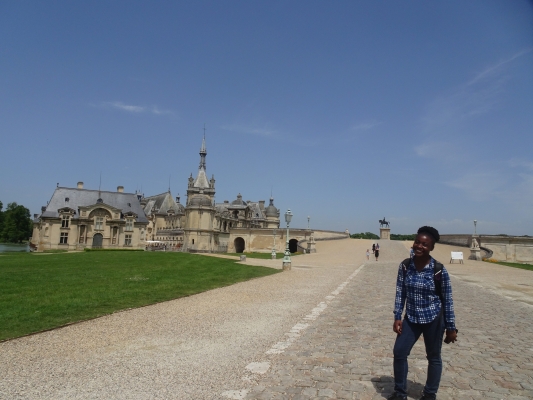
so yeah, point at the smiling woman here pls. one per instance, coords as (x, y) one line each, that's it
(423, 286)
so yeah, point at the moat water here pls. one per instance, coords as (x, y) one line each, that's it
(10, 247)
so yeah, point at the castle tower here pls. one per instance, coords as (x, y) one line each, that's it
(200, 209)
(272, 215)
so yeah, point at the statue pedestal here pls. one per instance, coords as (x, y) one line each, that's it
(286, 266)
(475, 254)
(384, 233)
(311, 245)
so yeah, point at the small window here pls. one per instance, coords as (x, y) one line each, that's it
(129, 225)
(127, 240)
(65, 219)
(63, 239)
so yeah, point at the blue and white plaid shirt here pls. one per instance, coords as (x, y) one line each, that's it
(418, 289)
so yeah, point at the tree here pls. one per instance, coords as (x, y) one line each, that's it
(1, 219)
(365, 235)
(17, 224)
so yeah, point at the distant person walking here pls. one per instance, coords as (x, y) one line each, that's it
(373, 247)
(376, 253)
(423, 287)
(367, 254)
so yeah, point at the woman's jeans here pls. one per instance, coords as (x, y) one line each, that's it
(433, 333)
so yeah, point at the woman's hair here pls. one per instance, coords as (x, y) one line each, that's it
(429, 230)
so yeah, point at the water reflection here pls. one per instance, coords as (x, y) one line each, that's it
(9, 247)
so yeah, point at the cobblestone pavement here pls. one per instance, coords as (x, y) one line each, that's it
(346, 352)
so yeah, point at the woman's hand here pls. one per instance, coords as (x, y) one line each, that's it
(451, 336)
(397, 326)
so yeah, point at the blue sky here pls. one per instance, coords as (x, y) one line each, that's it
(420, 112)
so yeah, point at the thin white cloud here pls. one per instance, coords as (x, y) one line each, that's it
(496, 68)
(124, 107)
(518, 162)
(427, 150)
(158, 111)
(481, 95)
(249, 130)
(479, 186)
(134, 108)
(365, 126)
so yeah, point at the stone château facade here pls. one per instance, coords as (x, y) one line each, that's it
(76, 218)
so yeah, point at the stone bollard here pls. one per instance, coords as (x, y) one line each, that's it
(243, 257)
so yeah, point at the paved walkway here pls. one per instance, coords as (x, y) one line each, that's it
(320, 331)
(346, 353)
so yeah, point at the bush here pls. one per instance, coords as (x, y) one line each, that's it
(365, 235)
(394, 236)
(87, 249)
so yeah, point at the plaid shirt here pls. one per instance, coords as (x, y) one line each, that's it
(418, 289)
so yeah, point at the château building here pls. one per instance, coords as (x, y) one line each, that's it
(78, 218)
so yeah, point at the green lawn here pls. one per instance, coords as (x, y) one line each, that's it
(515, 265)
(44, 291)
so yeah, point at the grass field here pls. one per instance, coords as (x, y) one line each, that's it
(515, 265)
(44, 291)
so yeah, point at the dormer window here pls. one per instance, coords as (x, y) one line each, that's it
(129, 225)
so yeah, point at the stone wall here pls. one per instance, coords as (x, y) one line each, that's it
(262, 240)
(504, 248)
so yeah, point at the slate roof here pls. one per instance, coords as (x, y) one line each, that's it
(83, 197)
(201, 180)
(161, 203)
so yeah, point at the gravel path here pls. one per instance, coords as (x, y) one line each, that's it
(320, 331)
(191, 348)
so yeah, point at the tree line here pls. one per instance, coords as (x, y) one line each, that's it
(15, 223)
(370, 235)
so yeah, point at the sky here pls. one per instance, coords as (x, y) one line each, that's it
(347, 112)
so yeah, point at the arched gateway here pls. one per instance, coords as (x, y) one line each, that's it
(239, 245)
(293, 245)
(98, 239)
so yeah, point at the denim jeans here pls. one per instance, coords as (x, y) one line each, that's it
(433, 333)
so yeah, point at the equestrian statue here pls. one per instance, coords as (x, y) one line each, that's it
(384, 222)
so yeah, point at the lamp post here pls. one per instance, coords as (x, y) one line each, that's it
(274, 245)
(475, 223)
(287, 257)
(308, 219)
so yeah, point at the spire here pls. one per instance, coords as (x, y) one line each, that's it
(201, 180)
(203, 153)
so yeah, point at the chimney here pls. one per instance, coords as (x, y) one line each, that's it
(120, 189)
(262, 204)
(80, 185)
(43, 208)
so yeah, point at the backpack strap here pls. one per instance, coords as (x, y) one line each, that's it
(405, 265)
(437, 278)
